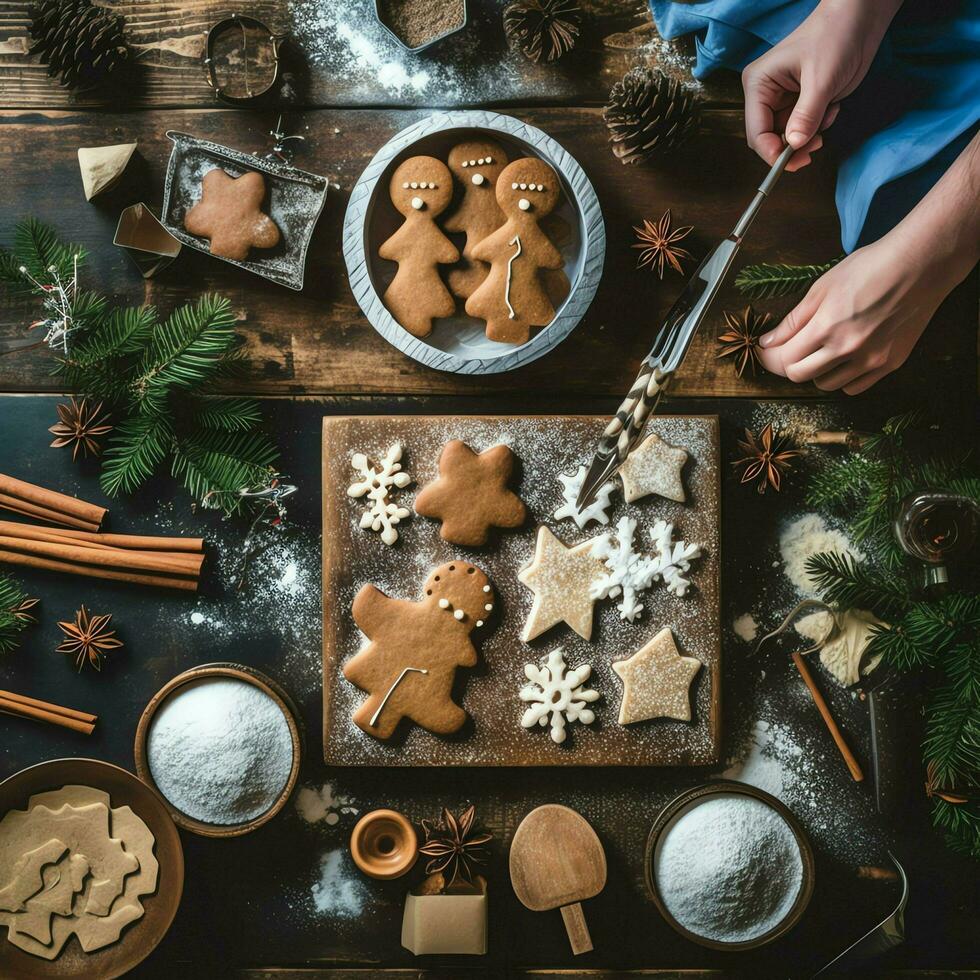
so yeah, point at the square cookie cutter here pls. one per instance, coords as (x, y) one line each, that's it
(294, 201)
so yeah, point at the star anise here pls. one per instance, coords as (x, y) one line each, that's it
(544, 30)
(741, 339)
(79, 425)
(20, 611)
(765, 458)
(453, 846)
(88, 638)
(658, 245)
(944, 790)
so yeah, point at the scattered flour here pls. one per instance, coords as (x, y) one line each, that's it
(325, 804)
(746, 628)
(338, 891)
(769, 759)
(806, 536)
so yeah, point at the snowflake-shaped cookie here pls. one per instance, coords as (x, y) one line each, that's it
(629, 571)
(377, 483)
(673, 559)
(596, 511)
(556, 694)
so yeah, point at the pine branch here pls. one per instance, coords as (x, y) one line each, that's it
(215, 466)
(845, 583)
(133, 451)
(952, 742)
(186, 350)
(12, 622)
(842, 481)
(37, 248)
(767, 280)
(225, 413)
(961, 821)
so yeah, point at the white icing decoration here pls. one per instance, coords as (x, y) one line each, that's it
(629, 572)
(408, 670)
(523, 187)
(478, 179)
(415, 184)
(443, 603)
(516, 240)
(489, 159)
(596, 511)
(524, 204)
(458, 614)
(405, 185)
(417, 203)
(378, 483)
(556, 695)
(486, 588)
(479, 622)
(489, 607)
(466, 163)
(673, 559)
(513, 187)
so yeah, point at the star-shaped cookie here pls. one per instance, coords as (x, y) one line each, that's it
(656, 681)
(653, 467)
(230, 215)
(560, 576)
(471, 496)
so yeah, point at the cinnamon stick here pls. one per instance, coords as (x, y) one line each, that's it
(48, 706)
(51, 500)
(19, 506)
(139, 542)
(9, 707)
(828, 718)
(110, 557)
(97, 571)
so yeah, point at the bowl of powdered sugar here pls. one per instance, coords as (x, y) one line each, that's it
(221, 743)
(729, 866)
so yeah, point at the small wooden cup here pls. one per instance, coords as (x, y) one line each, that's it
(236, 672)
(384, 844)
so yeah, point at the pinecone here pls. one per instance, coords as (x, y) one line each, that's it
(82, 44)
(543, 29)
(649, 114)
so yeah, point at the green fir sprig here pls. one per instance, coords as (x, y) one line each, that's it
(157, 377)
(14, 613)
(940, 635)
(768, 280)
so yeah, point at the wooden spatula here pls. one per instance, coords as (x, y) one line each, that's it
(557, 861)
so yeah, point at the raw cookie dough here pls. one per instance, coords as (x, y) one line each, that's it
(653, 467)
(470, 496)
(560, 578)
(656, 681)
(409, 665)
(27, 877)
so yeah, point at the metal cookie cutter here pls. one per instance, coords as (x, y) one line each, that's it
(226, 31)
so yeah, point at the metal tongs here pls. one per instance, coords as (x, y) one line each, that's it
(670, 346)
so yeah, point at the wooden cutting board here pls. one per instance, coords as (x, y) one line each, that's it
(545, 445)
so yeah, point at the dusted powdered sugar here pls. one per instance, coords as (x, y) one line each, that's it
(220, 750)
(729, 868)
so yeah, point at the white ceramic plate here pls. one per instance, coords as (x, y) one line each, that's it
(458, 343)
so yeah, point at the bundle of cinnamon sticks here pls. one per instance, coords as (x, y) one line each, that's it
(79, 548)
(25, 707)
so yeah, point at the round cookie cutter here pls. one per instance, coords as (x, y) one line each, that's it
(458, 344)
(236, 672)
(691, 798)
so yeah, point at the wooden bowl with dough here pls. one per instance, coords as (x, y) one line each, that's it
(140, 938)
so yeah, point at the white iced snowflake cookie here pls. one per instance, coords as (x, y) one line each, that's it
(653, 467)
(556, 694)
(673, 560)
(596, 511)
(377, 482)
(628, 572)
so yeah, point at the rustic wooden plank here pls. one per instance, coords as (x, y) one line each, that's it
(339, 55)
(318, 341)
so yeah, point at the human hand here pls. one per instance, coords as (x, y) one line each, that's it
(796, 87)
(859, 321)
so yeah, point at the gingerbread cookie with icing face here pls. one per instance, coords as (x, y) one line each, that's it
(229, 214)
(421, 189)
(476, 165)
(513, 299)
(409, 664)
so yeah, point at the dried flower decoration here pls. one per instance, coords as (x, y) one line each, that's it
(658, 245)
(453, 845)
(741, 339)
(765, 458)
(88, 638)
(80, 425)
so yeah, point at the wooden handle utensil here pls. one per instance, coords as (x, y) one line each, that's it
(557, 861)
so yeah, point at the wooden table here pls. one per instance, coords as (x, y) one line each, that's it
(248, 903)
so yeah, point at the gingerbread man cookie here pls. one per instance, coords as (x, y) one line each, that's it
(409, 664)
(476, 165)
(229, 214)
(471, 496)
(421, 189)
(512, 298)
